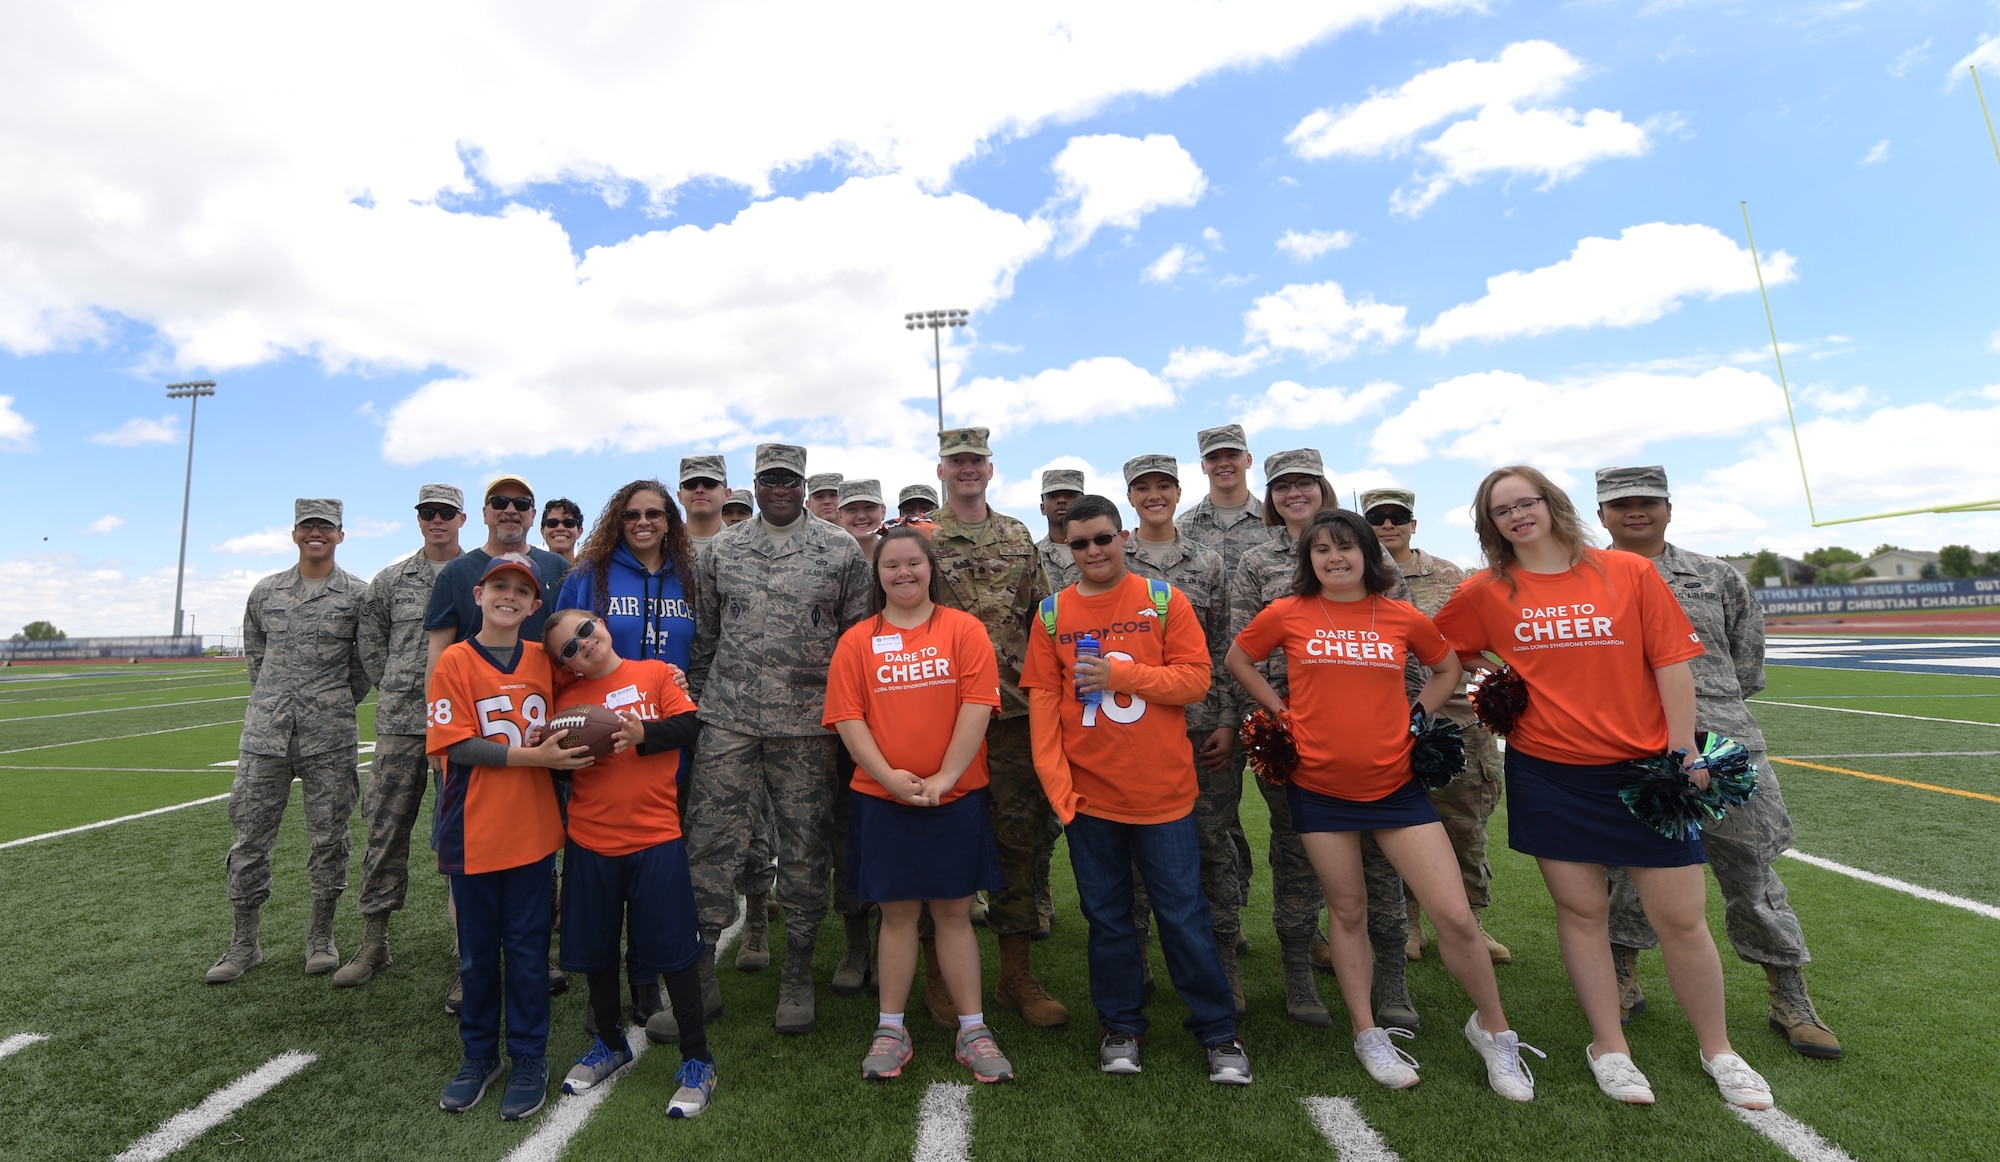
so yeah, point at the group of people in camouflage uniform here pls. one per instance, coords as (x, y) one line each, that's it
(775, 587)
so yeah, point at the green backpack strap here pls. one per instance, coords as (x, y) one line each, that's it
(1048, 615)
(1161, 593)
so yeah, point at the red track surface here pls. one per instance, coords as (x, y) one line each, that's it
(1967, 621)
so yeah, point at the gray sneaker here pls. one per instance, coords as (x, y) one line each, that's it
(977, 1051)
(1119, 1053)
(1228, 1064)
(887, 1053)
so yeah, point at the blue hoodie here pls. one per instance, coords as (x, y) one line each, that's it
(664, 631)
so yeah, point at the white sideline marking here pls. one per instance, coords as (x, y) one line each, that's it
(573, 1111)
(944, 1124)
(1871, 713)
(109, 822)
(1792, 1136)
(1893, 884)
(367, 748)
(20, 1041)
(1341, 1124)
(127, 770)
(183, 1128)
(123, 709)
(1901, 754)
(116, 737)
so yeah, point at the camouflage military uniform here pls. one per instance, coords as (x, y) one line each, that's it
(760, 873)
(306, 678)
(393, 652)
(1742, 845)
(994, 572)
(767, 617)
(1467, 802)
(1059, 563)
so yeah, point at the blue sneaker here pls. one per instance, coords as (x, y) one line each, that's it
(697, 1081)
(470, 1085)
(599, 1065)
(527, 1088)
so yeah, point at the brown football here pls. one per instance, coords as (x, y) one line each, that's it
(584, 725)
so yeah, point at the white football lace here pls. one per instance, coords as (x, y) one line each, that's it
(1383, 1051)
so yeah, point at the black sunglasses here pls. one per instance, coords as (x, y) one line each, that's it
(697, 483)
(1390, 516)
(780, 480)
(567, 522)
(632, 516)
(436, 512)
(520, 503)
(584, 629)
(1100, 540)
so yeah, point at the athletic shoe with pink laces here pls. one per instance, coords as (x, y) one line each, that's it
(977, 1051)
(887, 1054)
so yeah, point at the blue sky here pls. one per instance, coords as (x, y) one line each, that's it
(583, 248)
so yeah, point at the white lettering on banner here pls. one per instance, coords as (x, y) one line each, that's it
(888, 643)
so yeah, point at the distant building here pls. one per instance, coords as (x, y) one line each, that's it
(1796, 572)
(1896, 565)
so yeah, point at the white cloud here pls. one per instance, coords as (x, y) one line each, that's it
(1286, 404)
(1086, 389)
(1909, 57)
(1114, 180)
(1313, 243)
(1879, 153)
(1502, 417)
(1212, 237)
(1643, 274)
(1171, 265)
(1828, 400)
(139, 430)
(1189, 364)
(1387, 123)
(108, 523)
(1023, 498)
(15, 431)
(1552, 144)
(98, 598)
(272, 542)
(1316, 320)
(1988, 54)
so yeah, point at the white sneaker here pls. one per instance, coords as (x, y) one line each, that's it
(1619, 1078)
(1505, 1071)
(1384, 1060)
(1740, 1084)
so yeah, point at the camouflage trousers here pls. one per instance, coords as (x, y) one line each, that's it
(1215, 813)
(389, 802)
(1741, 847)
(257, 800)
(1021, 816)
(798, 775)
(1296, 897)
(759, 873)
(1464, 805)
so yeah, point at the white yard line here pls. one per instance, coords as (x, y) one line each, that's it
(123, 709)
(1871, 713)
(1896, 885)
(944, 1124)
(1899, 754)
(178, 1131)
(20, 1041)
(109, 822)
(1794, 1137)
(113, 770)
(1341, 1124)
(116, 737)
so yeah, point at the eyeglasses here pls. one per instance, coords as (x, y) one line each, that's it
(1295, 484)
(1389, 516)
(583, 630)
(632, 516)
(436, 512)
(780, 480)
(317, 526)
(520, 503)
(701, 483)
(565, 522)
(1100, 540)
(1525, 504)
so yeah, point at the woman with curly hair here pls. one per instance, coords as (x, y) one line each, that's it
(1603, 649)
(636, 572)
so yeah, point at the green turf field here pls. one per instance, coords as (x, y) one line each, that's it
(109, 930)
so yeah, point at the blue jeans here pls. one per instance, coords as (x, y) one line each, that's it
(1168, 855)
(504, 916)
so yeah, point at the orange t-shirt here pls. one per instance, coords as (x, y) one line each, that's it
(1128, 760)
(491, 818)
(1350, 715)
(628, 802)
(1586, 643)
(907, 686)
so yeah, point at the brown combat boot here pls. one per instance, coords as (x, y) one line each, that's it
(1020, 991)
(1318, 952)
(321, 955)
(1413, 944)
(937, 994)
(244, 952)
(371, 958)
(1631, 1001)
(1499, 952)
(753, 951)
(851, 975)
(1792, 1014)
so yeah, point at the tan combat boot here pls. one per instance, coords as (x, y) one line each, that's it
(1318, 952)
(371, 958)
(1631, 1001)
(244, 952)
(321, 955)
(796, 1010)
(753, 954)
(1500, 953)
(1793, 1015)
(851, 975)
(937, 994)
(1413, 944)
(1020, 991)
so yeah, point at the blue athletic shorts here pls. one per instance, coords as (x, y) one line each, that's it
(647, 895)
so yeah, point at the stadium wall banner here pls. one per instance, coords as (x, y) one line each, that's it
(1882, 596)
(82, 649)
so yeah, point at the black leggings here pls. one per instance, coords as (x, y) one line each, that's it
(683, 993)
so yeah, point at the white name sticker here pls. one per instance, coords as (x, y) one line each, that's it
(625, 697)
(888, 643)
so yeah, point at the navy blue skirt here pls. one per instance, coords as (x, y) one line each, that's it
(1407, 806)
(1573, 813)
(899, 852)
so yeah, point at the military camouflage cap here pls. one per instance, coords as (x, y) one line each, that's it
(738, 496)
(1138, 466)
(441, 494)
(703, 467)
(310, 508)
(917, 492)
(820, 482)
(1298, 461)
(955, 440)
(1619, 483)
(1226, 436)
(781, 457)
(1380, 496)
(862, 491)
(493, 484)
(1062, 480)
(519, 563)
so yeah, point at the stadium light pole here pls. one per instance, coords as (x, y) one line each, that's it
(937, 322)
(191, 391)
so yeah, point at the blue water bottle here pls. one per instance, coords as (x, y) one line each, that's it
(1088, 647)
